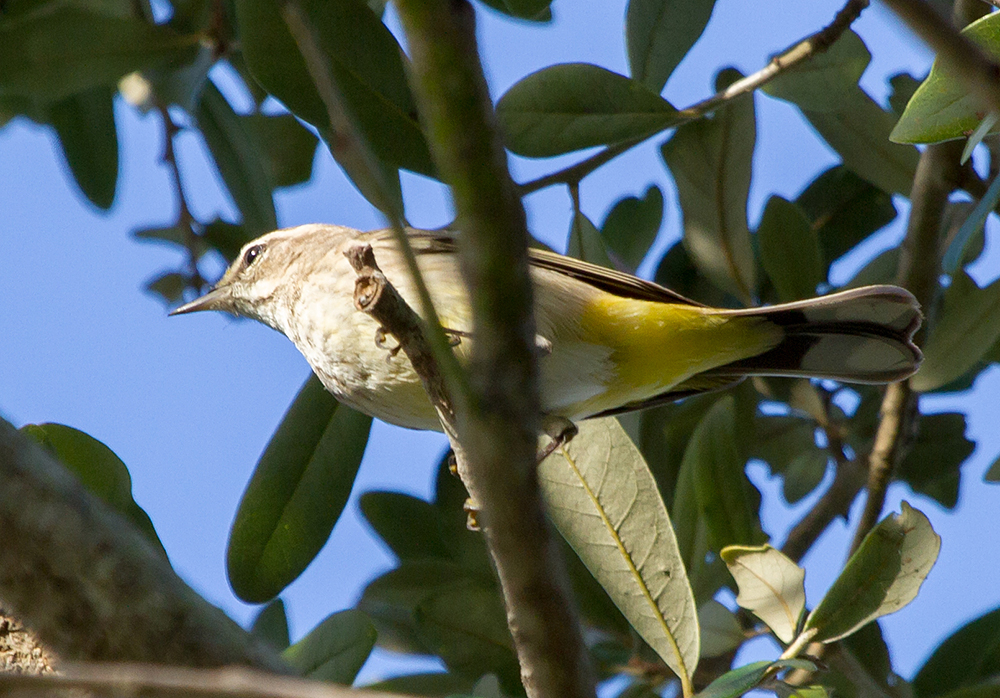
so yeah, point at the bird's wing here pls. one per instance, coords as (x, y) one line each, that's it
(608, 280)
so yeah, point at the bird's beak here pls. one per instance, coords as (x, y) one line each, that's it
(217, 299)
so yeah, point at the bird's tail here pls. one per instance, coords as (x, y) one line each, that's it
(859, 336)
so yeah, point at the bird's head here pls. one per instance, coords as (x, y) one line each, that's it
(261, 281)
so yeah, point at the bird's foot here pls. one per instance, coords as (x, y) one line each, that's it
(560, 430)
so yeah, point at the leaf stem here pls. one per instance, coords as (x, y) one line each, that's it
(811, 46)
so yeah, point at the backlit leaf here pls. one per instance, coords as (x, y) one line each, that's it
(603, 499)
(710, 160)
(882, 576)
(297, 493)
(573, 106)
(942, 109)
(772, 587)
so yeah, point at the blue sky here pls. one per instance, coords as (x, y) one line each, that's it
(189, 403)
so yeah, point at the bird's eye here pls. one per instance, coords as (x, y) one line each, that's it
(251, 255)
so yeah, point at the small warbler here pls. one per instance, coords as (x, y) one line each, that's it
(613, 342)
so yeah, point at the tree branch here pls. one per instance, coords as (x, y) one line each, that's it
(938, 173)
(90, 586)
(170, 682)
(499, 425)
(811, 46)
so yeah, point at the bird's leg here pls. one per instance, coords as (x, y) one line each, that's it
(560, 430)
(380, 336)
(471, 506)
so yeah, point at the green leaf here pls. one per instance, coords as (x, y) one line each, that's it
(738, 681)
(227, 238)
(726, 499)
(58, 50)
(772, 587)
(967, 657)
(942, 109)
(392, 599)
(880, 270)
(367, 64)
(859, 131)
(967, 327)
(631, 226)
(170, 286)
(931, 465)
(573, 106)
(790, 251)
(603, 500)
(788, 443)
(238, 159)
(993, 473)
(271, 625)
(678, 272)
(410, 526)
(710, 160)
(843, 210)
(663, 436)
(173, 235)
(297, 493)
(432, 684)
(826, 90)
(532, 10)
(902, 86)
(335, 650)
(99, 470)
(288, 146)
(818, 83)
(585, 242)
(85, 123)
(721, 632)
(882, 576)
(659, 33)
(467, 628)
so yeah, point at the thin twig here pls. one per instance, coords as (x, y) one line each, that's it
(807, 48)
(499, 426)
(185, 219)
(344, 129)
(163, 681)
(919, 269)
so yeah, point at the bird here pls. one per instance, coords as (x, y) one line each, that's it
(613, 342)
